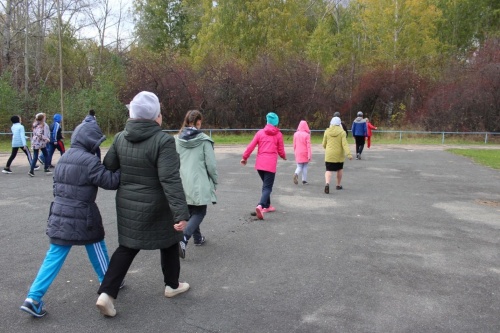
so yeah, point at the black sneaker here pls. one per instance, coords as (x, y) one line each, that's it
(37, 167)
(305, 183)
(31, 173)
(47, 171)
(182, 249)
(339, 187)
(357, 156)
(200, 242)
(327, 188)
(36, 310)
(6, 170)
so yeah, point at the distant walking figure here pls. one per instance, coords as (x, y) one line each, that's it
(270, 144)
(359, 133)
(39, 140)
(302, 150)
(18, 142)
(336, 148)
(369, 128)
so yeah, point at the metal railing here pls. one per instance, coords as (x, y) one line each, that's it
(401, 134)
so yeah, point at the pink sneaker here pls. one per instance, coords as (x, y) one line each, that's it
(270, 209)
(260, 212)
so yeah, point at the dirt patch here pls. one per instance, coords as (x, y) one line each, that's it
(489, 203)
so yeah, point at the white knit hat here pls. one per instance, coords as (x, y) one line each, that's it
(335, 121)
(145, 105)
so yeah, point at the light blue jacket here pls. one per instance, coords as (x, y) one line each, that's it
(18, 135)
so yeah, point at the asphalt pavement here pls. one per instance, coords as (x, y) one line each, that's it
(411, 244)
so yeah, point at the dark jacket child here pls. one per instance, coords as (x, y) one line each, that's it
(56, 138)
(359, 132)
(74, 218)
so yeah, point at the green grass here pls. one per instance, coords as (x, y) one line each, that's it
(488, 157)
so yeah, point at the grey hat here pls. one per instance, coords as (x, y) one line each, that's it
(145, 105)
(336, 114)
(360, 114)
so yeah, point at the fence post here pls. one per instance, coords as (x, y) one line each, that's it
(210, 132)
(486, 138)
(442, 140)
(400, 135)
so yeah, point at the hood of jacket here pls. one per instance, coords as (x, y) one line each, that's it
(271, 130)
(138, 130)
(303, 127)
(334, 131)
(359, 120)
(191, 137)
(89, 119)
(57, 117)
(87, 136)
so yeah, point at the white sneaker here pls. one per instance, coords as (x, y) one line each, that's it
(183, 287)
(105, 305)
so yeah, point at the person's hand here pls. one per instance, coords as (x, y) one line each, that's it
(283, 158)
(55, 143)
(180, 226)
(243, 162)
(350, 157)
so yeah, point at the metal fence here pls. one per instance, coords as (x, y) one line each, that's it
(486, 137)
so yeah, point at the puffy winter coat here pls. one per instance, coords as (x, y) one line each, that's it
(150, 199)
(302, 143)
(335, 144)
(18, 135)
(74, 218)
(198, 166)
(270, 142)
(359, 127)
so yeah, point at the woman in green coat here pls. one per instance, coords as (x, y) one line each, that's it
(151, 206)
(199, 174)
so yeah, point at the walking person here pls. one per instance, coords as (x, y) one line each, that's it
(336, 149)
(198, 173)
(74, 218)
(302, 150)
(56, 142)
(151, 207)
(369, 128)
(344, 126)
(270, 145)
(18, 142)
(39, 140)
(359, 133)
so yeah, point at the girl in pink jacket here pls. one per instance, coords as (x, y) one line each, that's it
(270, 144)
(302, 150)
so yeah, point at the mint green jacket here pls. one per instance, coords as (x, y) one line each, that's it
(198, 167)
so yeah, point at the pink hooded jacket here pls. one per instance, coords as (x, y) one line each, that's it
(302, 143)
(270, 142)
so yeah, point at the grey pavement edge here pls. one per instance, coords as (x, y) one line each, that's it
(411, 244)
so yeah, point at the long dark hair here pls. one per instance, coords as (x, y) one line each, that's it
(191, 118)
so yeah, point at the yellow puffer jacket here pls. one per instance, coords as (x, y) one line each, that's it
(335, 144)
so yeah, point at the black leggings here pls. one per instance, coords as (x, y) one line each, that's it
(360, 144)
(14, 154)
(122, 259)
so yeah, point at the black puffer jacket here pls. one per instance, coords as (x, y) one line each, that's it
(74, 218)
(150, 199)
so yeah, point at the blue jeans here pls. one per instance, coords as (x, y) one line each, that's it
(54, 260)
(267, 187)
(196, 215)
(35, 158)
